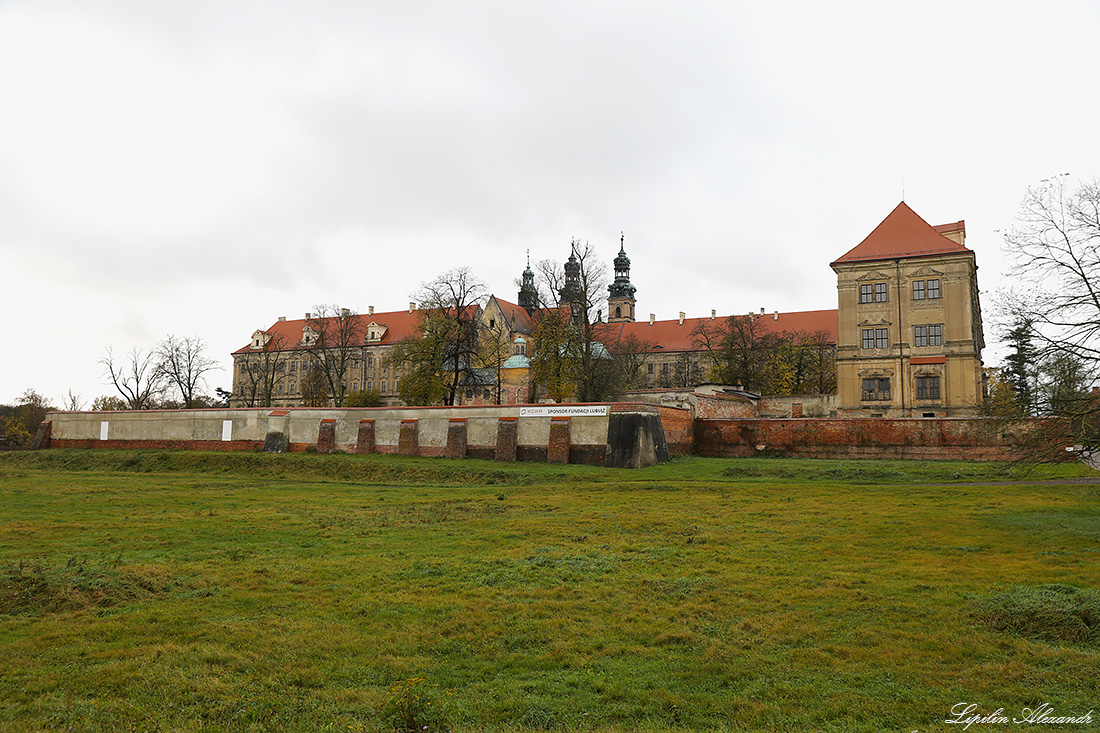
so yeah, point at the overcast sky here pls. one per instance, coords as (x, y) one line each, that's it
(201, 168)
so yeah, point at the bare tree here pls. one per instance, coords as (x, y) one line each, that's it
(1055, 249)
(184, 362)
(137, 377)
(73, 402)
(449, 336)
(260, 372)
(578, 352)
(336, 343)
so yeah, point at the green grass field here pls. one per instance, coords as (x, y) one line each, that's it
(194, 591)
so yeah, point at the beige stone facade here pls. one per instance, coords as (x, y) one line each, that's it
(909, 325)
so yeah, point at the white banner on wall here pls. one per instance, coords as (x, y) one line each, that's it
(564, 411)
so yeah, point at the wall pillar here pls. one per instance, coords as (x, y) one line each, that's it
(408, 444)
(456, 438)
(326, 436)
(558, 450)
(364, 441)
(506, 439)
(42, 435)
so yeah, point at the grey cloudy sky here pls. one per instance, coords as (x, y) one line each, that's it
(200, 168)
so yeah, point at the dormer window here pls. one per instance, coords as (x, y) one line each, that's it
(375, 332)
(259, 340)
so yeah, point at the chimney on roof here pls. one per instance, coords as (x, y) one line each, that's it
(681, 318)
(344, 312)
(307, 315)
(713, 314)
(282, 319)
(775, 316)
(370, 310)
(761, 311)
(752, 316)
(652, 317)
(412, 306)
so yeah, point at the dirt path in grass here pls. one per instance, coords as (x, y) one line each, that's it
(1039, 482)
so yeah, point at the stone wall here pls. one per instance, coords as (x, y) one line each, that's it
(504, 432)
(917, 438)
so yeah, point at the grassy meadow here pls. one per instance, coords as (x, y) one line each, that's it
(164, 590)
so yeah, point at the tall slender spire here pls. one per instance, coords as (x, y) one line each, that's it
(528, 295)
(620, 300)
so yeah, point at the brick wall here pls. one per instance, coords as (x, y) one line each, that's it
(679, 431)
(917, 438)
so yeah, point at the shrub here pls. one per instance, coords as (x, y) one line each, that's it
(1046, 613)
(414, 705)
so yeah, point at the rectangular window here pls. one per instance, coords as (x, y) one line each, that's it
(880, 292)
(649, 368)
(355, 386)
(918, 290)
(383, 390)
(876, 338)
(397, 385)
(928, 388)
(664, 368)
(933, 288)
(866, 293)
(370, 362)
(293, 367)
(370, 385)
(876, 389)
(294, 389)
(928, 335)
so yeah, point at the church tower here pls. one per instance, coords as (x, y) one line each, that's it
(620, 299)
(571, 293)
(528, 295)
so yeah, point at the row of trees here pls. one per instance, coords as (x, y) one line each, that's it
(171, 375)
(19, 422)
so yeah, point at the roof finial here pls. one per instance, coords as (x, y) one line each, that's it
(903, 188)
(622, 242)
(528, 258)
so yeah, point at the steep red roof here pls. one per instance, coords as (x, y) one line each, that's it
(517, 313)
(674, 336)
(903, 234)
(399, 324)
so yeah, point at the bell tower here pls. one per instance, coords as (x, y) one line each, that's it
(528, 295)
(620, 299)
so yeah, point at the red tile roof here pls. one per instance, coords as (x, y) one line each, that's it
(903, 234)
(523, 321)
(674, 336)
(399, 324)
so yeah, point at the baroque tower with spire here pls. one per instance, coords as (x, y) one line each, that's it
(620, 299)
(528, 294)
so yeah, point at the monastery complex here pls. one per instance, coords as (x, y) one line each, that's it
(906, 334)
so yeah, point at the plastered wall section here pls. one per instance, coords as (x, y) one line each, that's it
(205, 428)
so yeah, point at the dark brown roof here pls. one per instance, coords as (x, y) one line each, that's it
(903, 234)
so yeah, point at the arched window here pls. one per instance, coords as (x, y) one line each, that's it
(618, 312)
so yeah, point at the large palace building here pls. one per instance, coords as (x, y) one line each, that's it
(906, 334)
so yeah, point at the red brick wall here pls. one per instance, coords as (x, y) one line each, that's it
(408, 440)
(456, 438)
(679, 431)
(166, 444)
(558, 450)
(920, 438)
